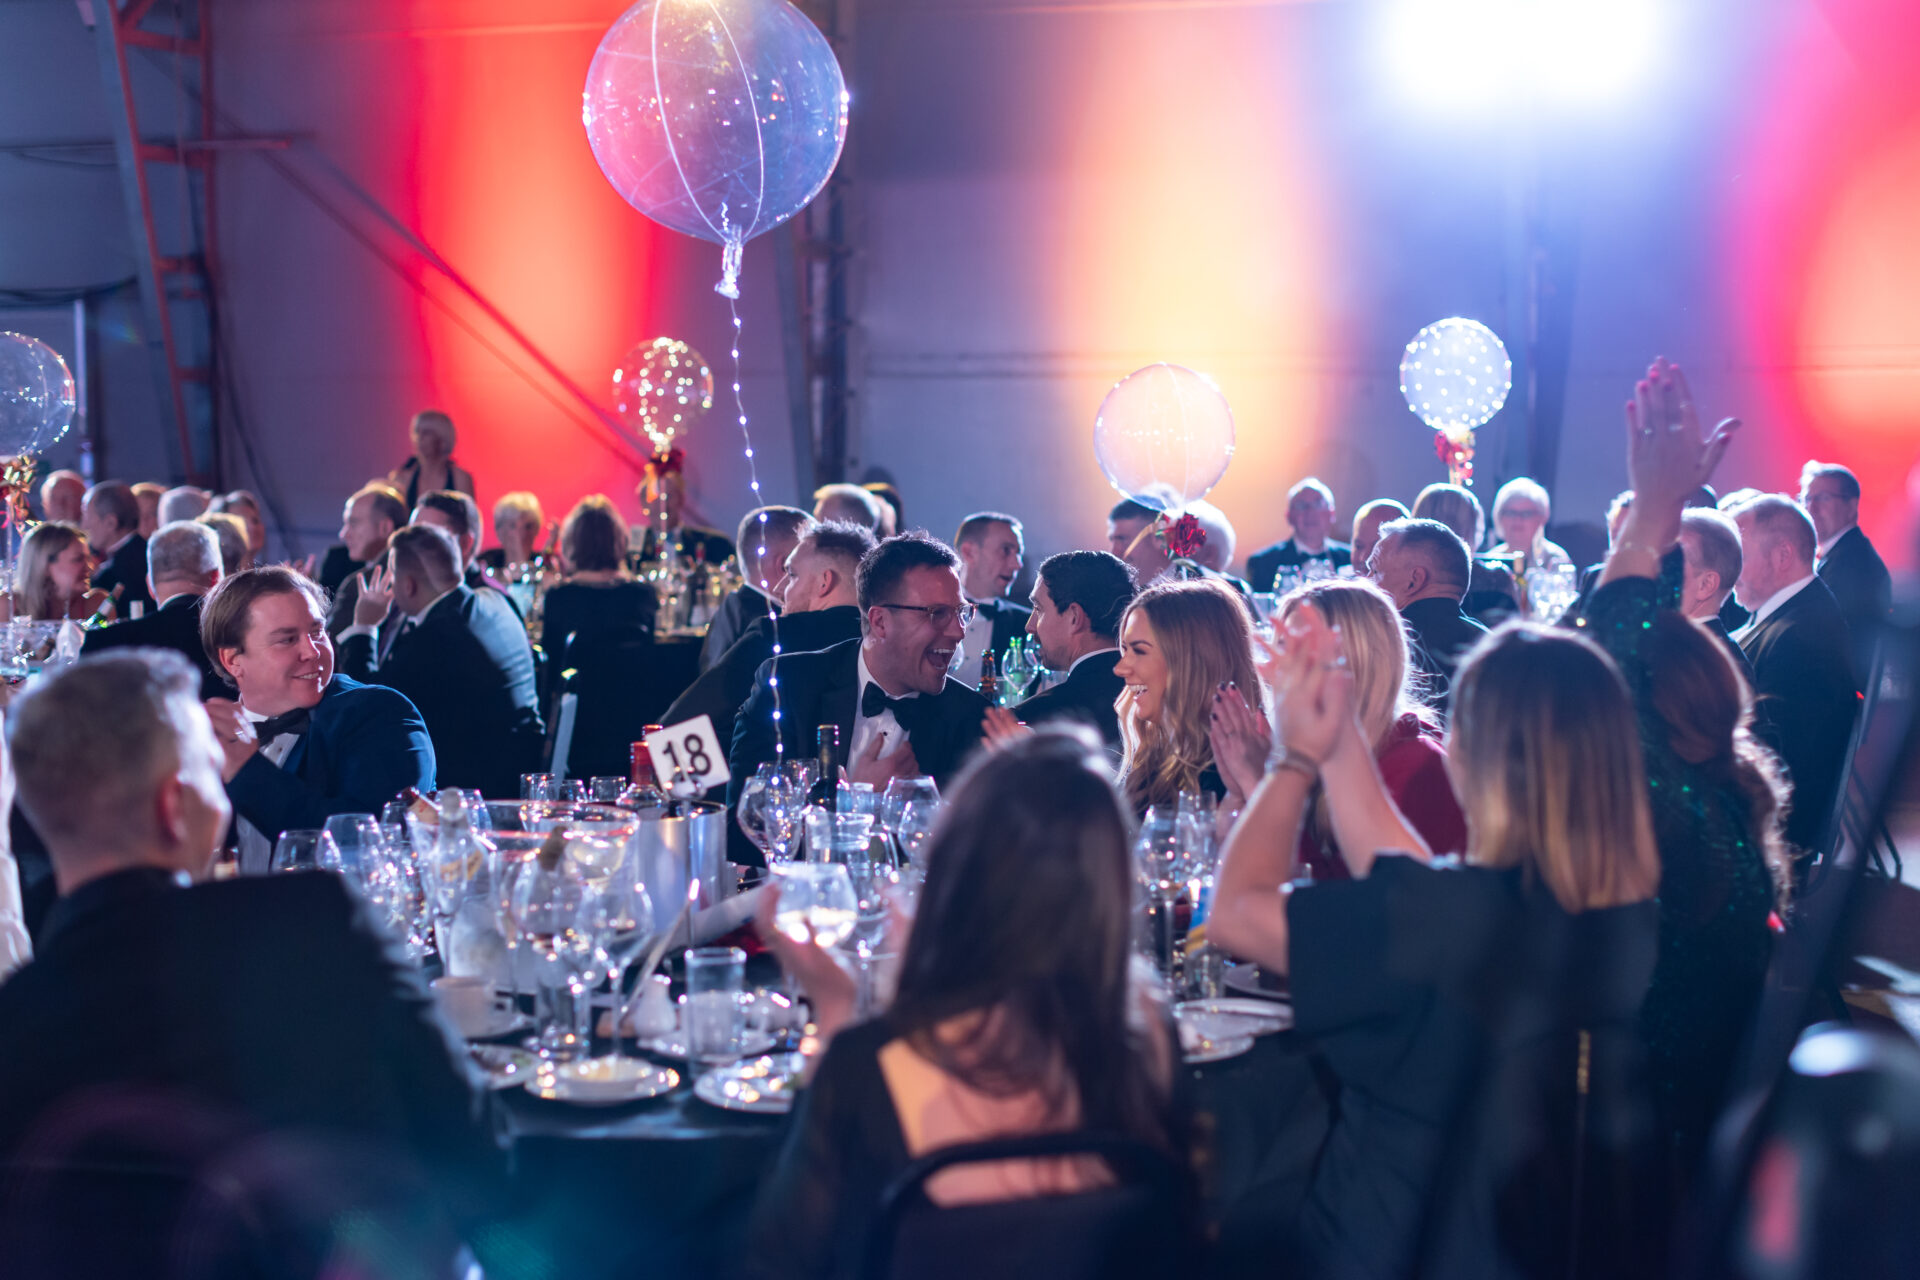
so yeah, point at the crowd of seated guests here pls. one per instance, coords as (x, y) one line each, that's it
(1523, 876)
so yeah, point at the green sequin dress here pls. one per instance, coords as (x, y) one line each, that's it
(1716, 894)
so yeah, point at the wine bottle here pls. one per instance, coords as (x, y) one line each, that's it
(989, 679)
(826, 790)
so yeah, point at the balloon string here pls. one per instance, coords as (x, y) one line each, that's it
(753, 482)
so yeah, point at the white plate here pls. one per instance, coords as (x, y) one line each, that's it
(1216, 1050)
(750, 1044)
(503, 1021)
(1245, 978)
(603, 1082)
(505, 1066)
(1235, 1016)
(763, 1086)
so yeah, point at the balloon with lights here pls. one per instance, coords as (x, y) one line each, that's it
(1163, 437)
(719, 119)
(36, 406)
(660, 390)
(1455, 375)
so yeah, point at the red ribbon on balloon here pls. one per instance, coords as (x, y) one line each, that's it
(665, 464)
(1457, 454)
(1185, 537)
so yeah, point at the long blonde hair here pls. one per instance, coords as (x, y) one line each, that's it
(38, 551)
(1545, 737)
(1374, 638)
(1205, 637)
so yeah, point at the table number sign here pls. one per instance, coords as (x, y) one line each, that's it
(688, 753)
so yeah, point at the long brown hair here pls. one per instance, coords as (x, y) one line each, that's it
(1707, 709)
(41, 547)
(1206, 639)
(1026, 920)
(1544, 734)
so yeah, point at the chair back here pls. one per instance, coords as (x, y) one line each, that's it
(1138, 1227)
(608, 672)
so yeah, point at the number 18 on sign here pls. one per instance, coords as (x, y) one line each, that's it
(688, 757)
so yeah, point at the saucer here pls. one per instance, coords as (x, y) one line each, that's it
(760, 1086)
(603, 1082)
(1234, 1016)
(502, 1020)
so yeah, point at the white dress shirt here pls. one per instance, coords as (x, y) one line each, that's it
(256, 851)
(865, 727)
(1820, 552)
(979, 639)
(15, 947)
(1774, 601)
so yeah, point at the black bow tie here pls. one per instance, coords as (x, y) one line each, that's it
(874, 701)
(294, 721)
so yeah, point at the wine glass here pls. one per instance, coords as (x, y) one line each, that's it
(304, 851)
(899, 792)
(816, 901)
(546, 908)
(917, 818)
(782, 802)
(751, 809)
(1157, 862)
(357, 837)
(619, 919)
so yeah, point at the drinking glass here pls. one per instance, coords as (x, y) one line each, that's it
(357, 837)
(607, 790)
(899, 792)
(816, 901)
(304, 851)
(535, 786)
(781, 803)
(546, 906)
(1157, 863)
(715, 1016)
(917, 819)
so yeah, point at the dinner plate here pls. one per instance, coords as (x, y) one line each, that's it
(502, 1021)
(603, 1082)
(1249, 980)
(1209, 1050)
(1235, 1016)
(762, 1086)
(750, 1044)
(505, 1065)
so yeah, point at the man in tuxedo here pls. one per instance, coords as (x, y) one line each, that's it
(821, 608)
(765, 538)
(1310, 512)
(183, 564)
(463, 661)
(458, 515)
(1077, 605)
(1710, 547)
(184, 1023)
(992, 549)
(1845, 559)
(1425, 567)
(368, 520)
(1805, 696)
(898, 712)
(110, 517)
(1130, 538)
(302, 743)
(1366, 527)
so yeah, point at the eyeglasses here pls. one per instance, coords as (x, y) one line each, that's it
(938, 614)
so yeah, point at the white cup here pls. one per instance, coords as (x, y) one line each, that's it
(468, 1003)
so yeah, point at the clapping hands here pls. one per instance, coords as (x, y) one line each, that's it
(1312, 687)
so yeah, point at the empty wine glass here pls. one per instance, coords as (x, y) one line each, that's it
(304, 851)
(899, 792)
(917, 818)
(546, 907)
(1157, 862)
(816, 901)
(357, 837)
(782, 802)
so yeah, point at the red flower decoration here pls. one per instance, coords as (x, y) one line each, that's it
(1185, 537)
(665, 464)
(1443, 447)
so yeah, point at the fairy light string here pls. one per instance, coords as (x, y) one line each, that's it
(760, 552)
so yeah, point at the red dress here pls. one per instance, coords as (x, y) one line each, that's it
(1413, 764)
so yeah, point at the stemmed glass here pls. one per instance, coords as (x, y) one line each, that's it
(1157, 858)
(356, 838)
(304, 851)
(900, 793)
(547, 908)
(816, 901)
(619, 919)
(916, 823)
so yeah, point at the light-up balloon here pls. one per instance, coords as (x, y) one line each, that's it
(717, 118)
(661, 389)
(1455, 375)
(36, 395)
(1164, 436)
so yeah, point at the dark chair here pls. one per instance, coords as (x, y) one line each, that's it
(1140, 1227)
(609, 672)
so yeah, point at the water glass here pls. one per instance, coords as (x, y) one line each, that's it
(915, 827)
(816, 902)
(304, 851)
(536, 786)
(607, 790)
(357, 837)
(715, 1014)
(899, 792)
(837, 837)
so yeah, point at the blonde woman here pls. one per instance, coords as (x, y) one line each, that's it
(1403, 734)
(1180, 643)
(54, 574)
(1481, 1019)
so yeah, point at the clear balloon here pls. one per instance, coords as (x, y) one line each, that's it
(661, 389)
(716, 118)
(36, 395)
(1164, 436)
(1455, 375)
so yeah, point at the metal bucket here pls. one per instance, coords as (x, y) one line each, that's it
(672, 852)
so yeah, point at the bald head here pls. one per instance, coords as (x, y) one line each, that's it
(1421, 560)
(1366, 526)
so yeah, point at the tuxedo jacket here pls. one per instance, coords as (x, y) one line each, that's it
(262, 1005)
(1718, 630)
(1009, 621)
(1442, 634)
(468, 668)
(123, 575)
(336, 566)
(823, 688)
(1863, 589)
(1805, 701)
(365, 745)
(174, 625)
(743, 607)
(723, 688)
(1263, 564)
(1087, 695)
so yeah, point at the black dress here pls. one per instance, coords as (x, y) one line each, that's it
(1452, 1004)
(582, 610)
(843, 1146)
(1716, 894)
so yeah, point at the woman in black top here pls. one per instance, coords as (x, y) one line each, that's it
(599, 598)
(1018, 1012)
(431, 466)
(1478, 1018)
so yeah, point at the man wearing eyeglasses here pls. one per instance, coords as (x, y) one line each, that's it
(898, 712)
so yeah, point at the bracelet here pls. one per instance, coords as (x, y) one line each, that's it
(1298, 762)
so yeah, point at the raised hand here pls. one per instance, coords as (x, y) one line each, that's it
(1314, 691)
(376, 597)
(1668, 456)
(1242, 741)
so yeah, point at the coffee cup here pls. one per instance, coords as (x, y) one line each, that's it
(468, 1003)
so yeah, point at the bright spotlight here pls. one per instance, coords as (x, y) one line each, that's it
(1469, 53)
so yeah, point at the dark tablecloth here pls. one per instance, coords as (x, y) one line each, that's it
(662, 1188)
